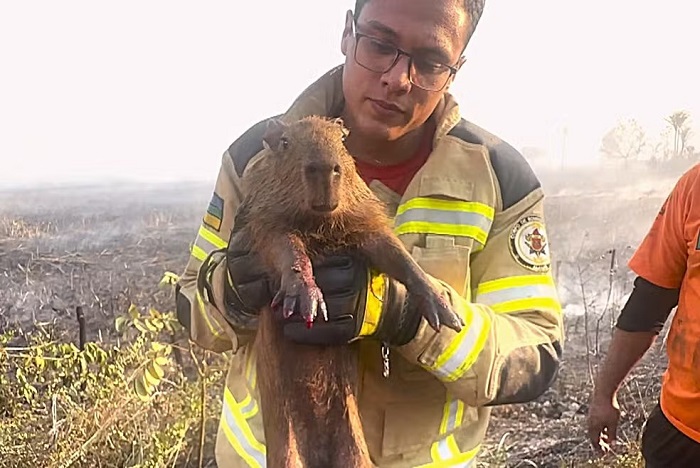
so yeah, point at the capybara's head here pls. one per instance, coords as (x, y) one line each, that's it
(310, 153)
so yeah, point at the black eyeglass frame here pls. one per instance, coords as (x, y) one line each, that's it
(399, 52)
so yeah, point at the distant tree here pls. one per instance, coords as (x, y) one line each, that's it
(625, 141)
(690, 151)
(662, 148)
(679, 123)
(684, 136)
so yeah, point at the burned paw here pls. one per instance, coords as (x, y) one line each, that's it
(311, 301)
(297, 295)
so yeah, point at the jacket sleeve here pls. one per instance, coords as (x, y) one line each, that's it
(510, 349)
(199, 292)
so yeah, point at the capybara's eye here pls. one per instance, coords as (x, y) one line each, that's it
(284, 142)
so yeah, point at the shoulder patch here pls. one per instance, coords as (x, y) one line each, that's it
(215, 212)
(514, 174)
(248, 145)
(529, 244)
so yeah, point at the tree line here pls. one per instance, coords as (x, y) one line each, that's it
(629, 141)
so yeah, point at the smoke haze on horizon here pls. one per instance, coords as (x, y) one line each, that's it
(155, 91)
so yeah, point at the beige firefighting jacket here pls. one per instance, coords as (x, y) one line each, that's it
(473, 219)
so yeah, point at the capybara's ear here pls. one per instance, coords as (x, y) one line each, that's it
(273, 133)
(339, 121)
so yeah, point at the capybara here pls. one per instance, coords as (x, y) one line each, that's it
(305, 200)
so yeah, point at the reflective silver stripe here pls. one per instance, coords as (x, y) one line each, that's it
(242, 439)
(516, 292)
(450, 420)
(444, 217)
(207, 241)
(444, 450)
(468, 338)
(250, 408)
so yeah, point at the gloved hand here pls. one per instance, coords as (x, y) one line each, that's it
(247, 288)
(361, 303)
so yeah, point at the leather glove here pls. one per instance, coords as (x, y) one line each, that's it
(247, 288)
(361, 303)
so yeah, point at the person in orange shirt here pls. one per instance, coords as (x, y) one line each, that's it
(668, 267)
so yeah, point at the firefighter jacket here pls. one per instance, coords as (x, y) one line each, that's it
(473, 219)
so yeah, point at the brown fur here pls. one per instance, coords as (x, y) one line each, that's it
(278, 190)
(293, 214)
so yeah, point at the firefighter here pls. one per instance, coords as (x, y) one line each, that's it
(666, 264)
(465, 204)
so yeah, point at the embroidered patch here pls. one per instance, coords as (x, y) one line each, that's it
(529, 244)
(215, 212)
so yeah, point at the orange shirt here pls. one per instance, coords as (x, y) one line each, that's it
(669, 256)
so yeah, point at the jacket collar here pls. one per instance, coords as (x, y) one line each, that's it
(325, 97)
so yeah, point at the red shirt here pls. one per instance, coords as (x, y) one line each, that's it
(398, 176)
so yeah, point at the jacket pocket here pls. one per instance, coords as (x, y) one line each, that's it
(445, 261)
(409, 427)
(413, 427)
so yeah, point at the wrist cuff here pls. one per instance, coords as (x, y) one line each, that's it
(236, 312)
(397, 322)
(374, 302)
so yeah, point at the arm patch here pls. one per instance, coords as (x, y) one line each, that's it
(514, 174)
(248, 145)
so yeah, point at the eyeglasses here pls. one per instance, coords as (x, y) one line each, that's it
(378, 56)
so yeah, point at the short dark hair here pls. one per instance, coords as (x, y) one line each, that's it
(474, 9)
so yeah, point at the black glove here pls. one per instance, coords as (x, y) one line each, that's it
(247, 288)
(354, 310)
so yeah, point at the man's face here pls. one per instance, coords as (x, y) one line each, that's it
(386, 106)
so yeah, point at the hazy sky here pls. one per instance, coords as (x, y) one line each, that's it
(156, 90)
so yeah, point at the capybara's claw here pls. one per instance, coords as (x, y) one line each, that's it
(438, 311)
(288, 303)
(450, 319)
(311, 300)
(431, 316)
(288, 307)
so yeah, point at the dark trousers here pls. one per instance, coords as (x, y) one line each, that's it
(664, 446)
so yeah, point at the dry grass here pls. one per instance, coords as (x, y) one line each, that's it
(104, 248)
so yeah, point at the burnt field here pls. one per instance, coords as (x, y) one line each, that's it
(104, 248)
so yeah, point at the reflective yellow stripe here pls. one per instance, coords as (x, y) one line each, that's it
(198, 253)
(213, 326)
(444, 217)
(251, 371)
(461, 354)
(446, 448)
(373, 303)
(205, 242)
(239, 434)
(463, 460)
(516, 293)
(212, 238)
(535, 303)
(249, 406)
